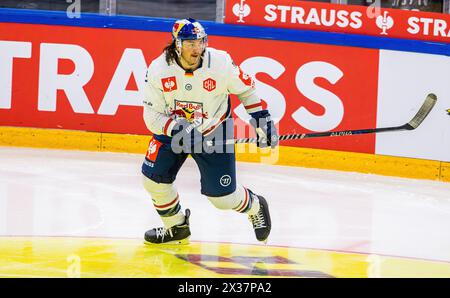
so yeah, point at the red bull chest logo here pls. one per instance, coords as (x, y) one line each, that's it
(189, 110)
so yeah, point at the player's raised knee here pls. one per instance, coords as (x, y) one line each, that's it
(225, 202)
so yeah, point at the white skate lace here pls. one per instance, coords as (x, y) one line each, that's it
(162, 232)
(258, 220)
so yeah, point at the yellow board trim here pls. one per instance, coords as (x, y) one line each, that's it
(284, 155)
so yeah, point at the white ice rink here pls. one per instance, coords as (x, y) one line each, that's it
(74, 193)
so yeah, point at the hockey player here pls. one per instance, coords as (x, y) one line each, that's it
(186, 102)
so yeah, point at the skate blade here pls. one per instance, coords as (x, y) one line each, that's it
(176, 242)
(263, 241)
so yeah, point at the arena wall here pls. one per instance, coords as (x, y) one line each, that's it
(76, 84)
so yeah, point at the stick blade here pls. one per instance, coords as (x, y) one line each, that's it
(423, 112)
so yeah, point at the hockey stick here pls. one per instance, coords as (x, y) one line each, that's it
(423, 112)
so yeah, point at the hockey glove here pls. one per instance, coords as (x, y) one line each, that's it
(265, 129)
(186, 137)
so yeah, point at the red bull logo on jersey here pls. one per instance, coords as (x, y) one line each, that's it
(169, 84)
(189, 110)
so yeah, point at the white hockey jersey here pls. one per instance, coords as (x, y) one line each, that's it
(200, 96)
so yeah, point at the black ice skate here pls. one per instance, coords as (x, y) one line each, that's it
(175, 235)
(261, 220)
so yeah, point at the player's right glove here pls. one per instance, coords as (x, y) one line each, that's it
(186, 137)
(265, 129)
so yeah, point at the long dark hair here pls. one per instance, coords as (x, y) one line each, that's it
(171, 54)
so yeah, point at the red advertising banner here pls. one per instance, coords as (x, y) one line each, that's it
(369, 20)
(92, 79)
(75, 78)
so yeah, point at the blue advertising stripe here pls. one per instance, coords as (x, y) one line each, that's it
(8, 15)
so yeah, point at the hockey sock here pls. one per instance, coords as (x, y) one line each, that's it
(249, 202)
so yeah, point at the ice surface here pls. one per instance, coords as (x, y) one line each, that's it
(98, 194)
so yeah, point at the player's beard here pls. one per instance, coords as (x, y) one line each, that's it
(192, 60)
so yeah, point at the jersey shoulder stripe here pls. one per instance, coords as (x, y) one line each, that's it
(216, 59)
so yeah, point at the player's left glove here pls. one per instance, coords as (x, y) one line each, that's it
(265, 129)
